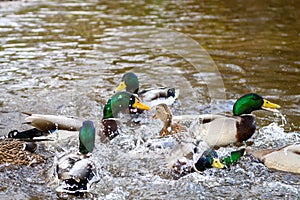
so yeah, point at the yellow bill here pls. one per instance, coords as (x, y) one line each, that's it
(217, 164)
(270, 106)
(120, 87)
(138, 105)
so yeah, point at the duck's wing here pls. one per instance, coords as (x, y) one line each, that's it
(155, 96)
(259, 154)
(53, 122)
(189, 149)
(233, 157)
(205, 118)
(75, 173)
(215, 129)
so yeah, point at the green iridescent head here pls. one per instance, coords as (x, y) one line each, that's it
(86, 137)
(129, 82)
(251, 102)
(121, 102)
(208, 159)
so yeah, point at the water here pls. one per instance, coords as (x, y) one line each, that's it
(67, 58)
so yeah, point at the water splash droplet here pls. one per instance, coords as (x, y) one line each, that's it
(283, 119)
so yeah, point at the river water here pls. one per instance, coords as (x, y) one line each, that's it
(67, 57)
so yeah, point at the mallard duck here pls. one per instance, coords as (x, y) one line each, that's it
(19, 153)
(286, 158)
(119, 102)
(163, 113)
(152, 96)
(75, 169)
(203, 157)
(221, 129)
(210, 159)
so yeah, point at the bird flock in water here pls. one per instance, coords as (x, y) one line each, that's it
(195, 150)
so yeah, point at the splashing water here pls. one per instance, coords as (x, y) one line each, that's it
(274, 135)
(82, 41)
(283, 118)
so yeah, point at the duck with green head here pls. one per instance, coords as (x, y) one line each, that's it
(209, 159)
(119, 102)
(76, 169)
(221, 129)
(187, 165)
(152, 96)
(201, 158)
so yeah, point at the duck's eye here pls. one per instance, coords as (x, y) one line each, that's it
(136, 102)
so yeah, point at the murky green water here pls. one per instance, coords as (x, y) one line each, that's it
(67, 57)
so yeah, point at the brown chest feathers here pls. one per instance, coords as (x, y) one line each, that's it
(245, 128)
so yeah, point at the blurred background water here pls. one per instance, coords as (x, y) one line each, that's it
(67, 57)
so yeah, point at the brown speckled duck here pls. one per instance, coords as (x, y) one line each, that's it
(19, 153)
(163, 113)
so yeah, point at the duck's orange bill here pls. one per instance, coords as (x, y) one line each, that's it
(138, 105)
(270, 106)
